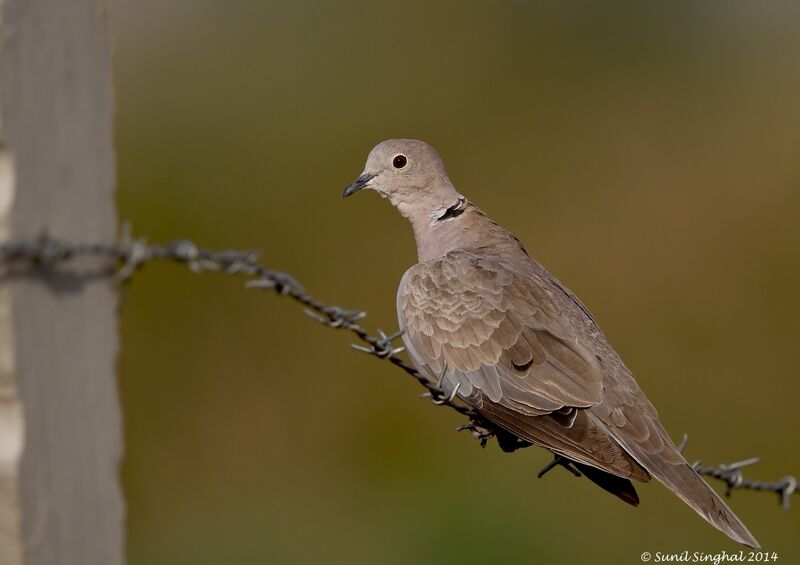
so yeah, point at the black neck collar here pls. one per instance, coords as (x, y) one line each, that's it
(454, 211)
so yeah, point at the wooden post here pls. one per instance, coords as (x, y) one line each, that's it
(60, 425)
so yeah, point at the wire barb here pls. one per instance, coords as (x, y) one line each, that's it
(731, 474)
(562, 461)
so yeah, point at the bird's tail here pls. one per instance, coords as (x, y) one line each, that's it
(678, 476)
(684, 481)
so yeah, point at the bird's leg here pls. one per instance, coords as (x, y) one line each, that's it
(558, 460)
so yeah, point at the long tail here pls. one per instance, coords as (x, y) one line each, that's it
(684, 481)
(694, 491)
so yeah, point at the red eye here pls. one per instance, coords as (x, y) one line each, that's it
(399, 161)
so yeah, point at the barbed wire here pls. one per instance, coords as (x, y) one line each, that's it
(46, 252)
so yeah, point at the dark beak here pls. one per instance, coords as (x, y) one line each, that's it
(358, 184)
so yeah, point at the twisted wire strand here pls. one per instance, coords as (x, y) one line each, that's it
(130, 254)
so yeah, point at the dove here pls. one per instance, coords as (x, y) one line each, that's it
(491, 326)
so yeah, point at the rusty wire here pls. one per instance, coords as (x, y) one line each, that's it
(130, 254)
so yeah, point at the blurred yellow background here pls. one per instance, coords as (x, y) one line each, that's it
(648, 154)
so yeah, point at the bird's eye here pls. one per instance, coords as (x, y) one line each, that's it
(399, 161)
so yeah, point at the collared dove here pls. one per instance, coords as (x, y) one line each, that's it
(495, 328)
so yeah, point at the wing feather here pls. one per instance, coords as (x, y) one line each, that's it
(498, 336)
(497, 331)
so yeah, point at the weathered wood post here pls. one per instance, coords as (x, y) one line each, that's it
(60, 429)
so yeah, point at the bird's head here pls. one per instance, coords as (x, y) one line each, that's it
(411, 175)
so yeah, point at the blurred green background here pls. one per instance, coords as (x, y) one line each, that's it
(648, 154)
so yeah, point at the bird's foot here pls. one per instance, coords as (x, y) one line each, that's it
(479, 432)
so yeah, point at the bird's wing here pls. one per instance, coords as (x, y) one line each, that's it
(499, 337)
(496, 333)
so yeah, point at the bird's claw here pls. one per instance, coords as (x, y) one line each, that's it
(479, 432)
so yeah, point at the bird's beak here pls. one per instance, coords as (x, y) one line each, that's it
(358, 184)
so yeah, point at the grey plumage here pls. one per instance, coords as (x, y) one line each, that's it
(517, 345)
